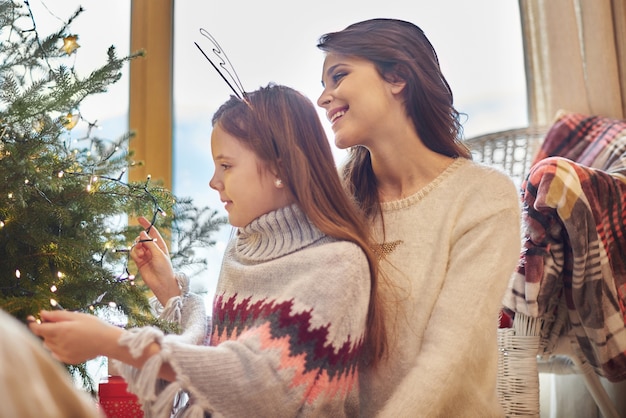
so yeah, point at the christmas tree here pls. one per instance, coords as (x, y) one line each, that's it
(64, 198)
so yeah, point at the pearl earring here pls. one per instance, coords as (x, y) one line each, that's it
(278, 183)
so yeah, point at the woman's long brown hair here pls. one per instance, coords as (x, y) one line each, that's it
(282, 127)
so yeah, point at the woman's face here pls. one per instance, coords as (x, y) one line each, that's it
(246, 187)
(357, 100)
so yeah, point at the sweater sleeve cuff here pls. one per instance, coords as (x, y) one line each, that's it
(173, 308)
(155, 395)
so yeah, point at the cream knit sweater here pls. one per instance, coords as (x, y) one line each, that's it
(450, 250)
(287, 329)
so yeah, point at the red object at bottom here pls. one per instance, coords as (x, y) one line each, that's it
(116, 401)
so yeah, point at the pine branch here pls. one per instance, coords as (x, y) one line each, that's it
(65, 201)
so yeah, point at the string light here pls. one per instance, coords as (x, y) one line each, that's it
(76, 156)
(125, 276)
(56, 304)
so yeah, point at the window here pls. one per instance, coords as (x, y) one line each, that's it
(96, 34)
(479, 45)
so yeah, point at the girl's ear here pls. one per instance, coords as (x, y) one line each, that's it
(273, 170)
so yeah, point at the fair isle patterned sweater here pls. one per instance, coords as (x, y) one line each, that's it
(288, 325)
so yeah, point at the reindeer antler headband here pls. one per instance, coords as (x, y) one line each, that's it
(223, 67)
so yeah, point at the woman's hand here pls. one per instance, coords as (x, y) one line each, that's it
(74, 337)
(151, 256)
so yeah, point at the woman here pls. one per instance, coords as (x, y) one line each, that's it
(447, 229)
(295, 307)
(33, 384)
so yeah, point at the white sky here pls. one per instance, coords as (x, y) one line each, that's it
(478, 42)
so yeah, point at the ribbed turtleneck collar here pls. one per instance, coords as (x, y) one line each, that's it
(276, 234)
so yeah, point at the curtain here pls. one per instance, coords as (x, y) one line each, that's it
(575, 57)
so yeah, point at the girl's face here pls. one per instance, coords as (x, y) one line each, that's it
(246, 187)
(357, 100)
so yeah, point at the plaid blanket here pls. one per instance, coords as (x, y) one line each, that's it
(575, 238)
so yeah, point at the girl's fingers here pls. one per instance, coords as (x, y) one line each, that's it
(153, 234)
(143, 222)
(156, 236)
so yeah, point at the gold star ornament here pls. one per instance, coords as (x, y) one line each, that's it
(69, 44)
(70, 120)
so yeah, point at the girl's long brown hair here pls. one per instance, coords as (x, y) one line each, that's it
(400, 51)
(282, 127)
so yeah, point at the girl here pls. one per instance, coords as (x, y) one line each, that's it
(448, 228)
(295, 307)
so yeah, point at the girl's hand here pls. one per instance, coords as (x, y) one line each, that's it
(154, 234)
(151, 256)
(74, 337)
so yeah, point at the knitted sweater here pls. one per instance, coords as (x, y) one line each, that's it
(288, 318)
(450, 251)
